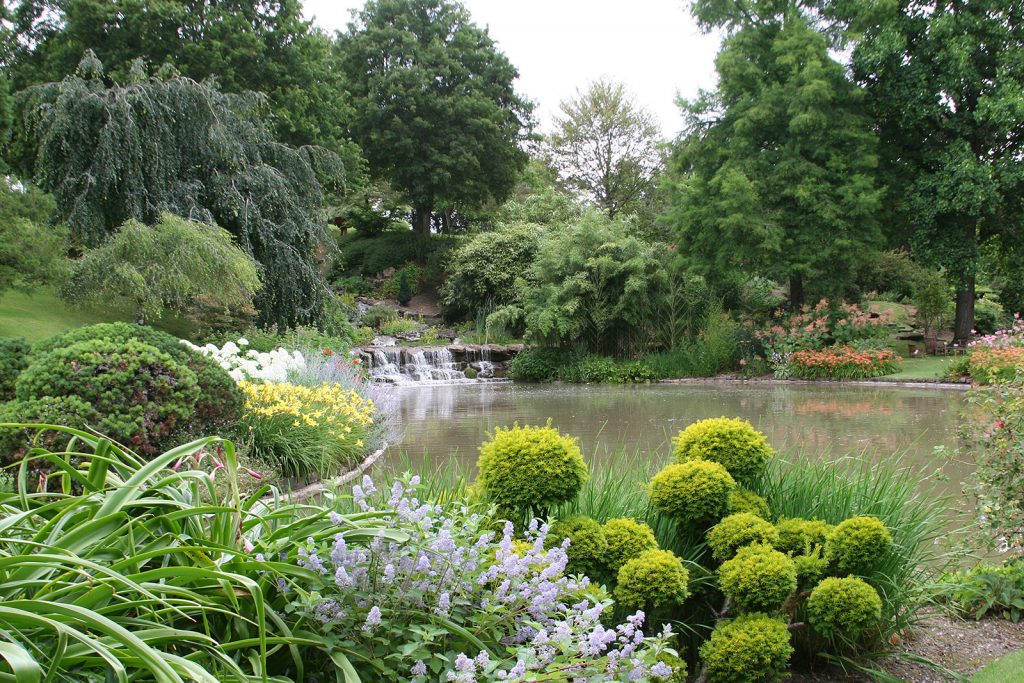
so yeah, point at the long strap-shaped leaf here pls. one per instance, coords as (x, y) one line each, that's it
(25, 668)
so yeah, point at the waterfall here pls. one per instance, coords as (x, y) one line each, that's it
(420, 365)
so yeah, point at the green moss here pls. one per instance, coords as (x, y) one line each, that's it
(626, 539)
(731, 442)
(694, 492)
(844, 608)
(856, 545)
(587, 544)
(759, 578)
(745, 500)
(753, 648)
(652, 579)
(738, 530)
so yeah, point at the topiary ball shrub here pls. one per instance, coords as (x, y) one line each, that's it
(800, 536)
(141, 396)
(731, 442)
(587, 544)
(751, 648)
(695, 492)
(844, 608)
(220, 400)
(652, 579)
(13, 359)
(531, 468)
(856, 545)
(736, 531)
(626, 539)
(759, 578)
(745, 500)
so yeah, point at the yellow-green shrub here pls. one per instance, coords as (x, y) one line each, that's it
(531, 468)
(797, 535)
(844, 607)
(587, 544)
(856, 545)
(759, 578)
(626, 539)
(731, 442)
(736, 531)
(810, 567)
(652, 579)
(752, 648)
(694, 492)
(745, 500)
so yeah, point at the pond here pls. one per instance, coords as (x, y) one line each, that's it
(445, 421)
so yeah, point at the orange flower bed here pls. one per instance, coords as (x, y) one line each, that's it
(992, 364)
(842, 362)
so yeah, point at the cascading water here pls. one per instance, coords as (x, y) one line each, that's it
(427, 365)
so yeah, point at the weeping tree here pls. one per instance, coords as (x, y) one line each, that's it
(171, 144)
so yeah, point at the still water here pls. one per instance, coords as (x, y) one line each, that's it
(829, 420)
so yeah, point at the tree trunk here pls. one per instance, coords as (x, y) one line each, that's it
(964, 318)
(796, 291)
(421, 220)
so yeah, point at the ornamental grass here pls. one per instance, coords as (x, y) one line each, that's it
(843, 362)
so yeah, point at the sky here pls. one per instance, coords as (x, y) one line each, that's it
(559, 46)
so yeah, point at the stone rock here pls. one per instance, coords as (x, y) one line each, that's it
(409, 336)
(383, 340)
(387, 272)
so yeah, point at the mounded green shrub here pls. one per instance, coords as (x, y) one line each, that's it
(758, 579)
(745, 500)
(626, 539)
(798, 536)
(13, 359)
(587, 544)
(810, 568)
(142, 397)
(731, 442)
(856, 545)
(694, 492)
(752, 648)
(652, 579)
(60, 410)
(531, 468)
(538, 365)
(844, 607)
(738, 530)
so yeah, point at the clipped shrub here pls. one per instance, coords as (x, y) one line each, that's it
(731, 442)
(652, 579)
(810, 568)
(844, 607)
(587, 544)
(752, 648)
(745, 500)
(738, 530)
(531, 468)
(626, 539)
(141, 396)
(798, 536)
(856, 545)
(13, 359)
(695, 492)
(759, 578)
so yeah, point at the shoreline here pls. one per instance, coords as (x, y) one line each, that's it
(879, 382)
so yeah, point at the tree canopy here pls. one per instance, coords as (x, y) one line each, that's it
(155, 145)
(436, 112)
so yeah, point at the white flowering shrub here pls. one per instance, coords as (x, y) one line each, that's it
(443, 598)
(252, 365)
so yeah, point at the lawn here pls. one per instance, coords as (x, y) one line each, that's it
(922, 368)
(1007, 668)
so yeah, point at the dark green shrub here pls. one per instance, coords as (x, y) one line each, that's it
(377, 316)
(626, 539)
(141, 395)
(369, 255)
(753, 648)
(844, 608)
(988, 316)
(695, 492)
(531, 468)
(404, 293)
(988, 589)
(13, 359)
(731, 442)
(857, 545)
(738, 530)
(758, 579)
(798, 536)
(60, 410)
(745, 500)
(587, 544)
(538, 365)
(652, 579)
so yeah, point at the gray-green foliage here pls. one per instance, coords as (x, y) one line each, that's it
(170, 144)
(169, 264)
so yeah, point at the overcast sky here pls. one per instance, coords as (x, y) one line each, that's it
(653, 46)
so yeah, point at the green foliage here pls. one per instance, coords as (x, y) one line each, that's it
(626, 539)
(758, 579)
(694, 492)
(13, 359)
(844, 608)
(799, 536)
(932, 301)
(857, 545)
(753, 648)
(538, 365)
(170, 264)
(141, 395)
(414, 276)
(738, 530)
(434, 106)
(606, 370)
(54, 410)
(987, 589)
(405, 290)
(31, 251)
(588, 545)
(890, 273)
(377, 316)
(652, 579)
(359, 254)
(398, 326)
(989, 316)
(731, 442)
(531, 468)
(173, 145)
(745, 500)
(470, 373)
(810, 568)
